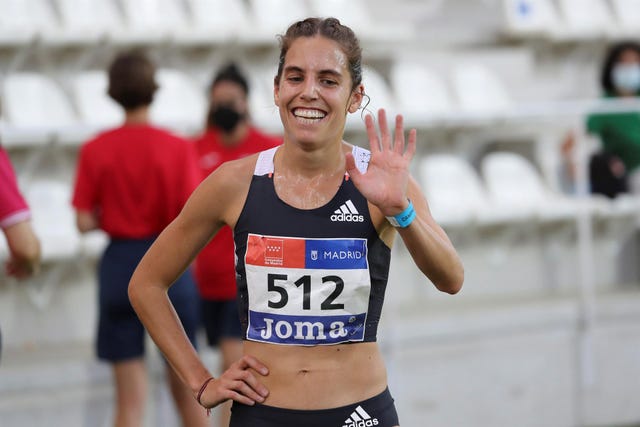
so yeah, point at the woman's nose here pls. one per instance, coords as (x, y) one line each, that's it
(309, 90)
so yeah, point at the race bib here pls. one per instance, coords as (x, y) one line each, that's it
(306, 291)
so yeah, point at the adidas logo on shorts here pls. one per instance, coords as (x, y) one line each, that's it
(347, 213)
(360, 418)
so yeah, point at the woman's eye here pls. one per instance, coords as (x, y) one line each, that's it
(329, 82)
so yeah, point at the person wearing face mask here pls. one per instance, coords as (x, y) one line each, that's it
(619, 132)
(615, 167)
(229, 136)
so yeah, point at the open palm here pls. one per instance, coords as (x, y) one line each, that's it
(385, 182)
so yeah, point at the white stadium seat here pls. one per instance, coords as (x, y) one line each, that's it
(22, 21)
(272, 17)
(514, 185)
(420, 92)
(33, 99)
(17, 25)
(53, 219)
(36, 108)
(207, 24)
(530, 17)
(352, 13)
(88, 21)
(479, 90)
(95, 107)
(355, 14)
(627, 17)
(151, 21)
(456, 194)
(584, 19)
(179, 102)
(452, 188)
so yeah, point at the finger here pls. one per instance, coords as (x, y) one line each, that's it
(237, 397)
(243, 388)
(411, 144)
(248, 361)
(398, 137)
(374, 142)
(384, 130)
(251, 381)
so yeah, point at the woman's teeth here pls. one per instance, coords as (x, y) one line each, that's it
(308, 114)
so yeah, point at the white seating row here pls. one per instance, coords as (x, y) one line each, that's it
(37, 108)
(179, 21)
(257, 21)
(508, 189)
(572, 19)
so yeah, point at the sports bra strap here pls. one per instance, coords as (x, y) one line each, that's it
(264, 164)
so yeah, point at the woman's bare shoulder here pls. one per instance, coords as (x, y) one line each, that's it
(232, 177)
(239, 169)
(225, 190)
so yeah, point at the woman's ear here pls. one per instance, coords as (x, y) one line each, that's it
(276, 91)
(356, 99)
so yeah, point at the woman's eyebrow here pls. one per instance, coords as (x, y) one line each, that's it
(293, 69)
(330, 72)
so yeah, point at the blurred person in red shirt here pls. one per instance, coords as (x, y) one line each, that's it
(131, 182)
(229, 136)
(15, 222)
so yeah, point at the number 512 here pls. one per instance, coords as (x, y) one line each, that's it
(305, 282)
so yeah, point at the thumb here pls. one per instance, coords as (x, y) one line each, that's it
(352, 169)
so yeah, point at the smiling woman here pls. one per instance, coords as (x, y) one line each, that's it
(319, 80)
(313, 222)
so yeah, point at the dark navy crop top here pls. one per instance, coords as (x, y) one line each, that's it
(309, 277)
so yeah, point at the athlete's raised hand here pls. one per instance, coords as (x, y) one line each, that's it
(386, 180)
(237, 383)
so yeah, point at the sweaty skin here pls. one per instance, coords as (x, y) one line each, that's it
(319, 377)
(314, 93)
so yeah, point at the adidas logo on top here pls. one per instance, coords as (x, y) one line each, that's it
(360, 418)
(347, 213)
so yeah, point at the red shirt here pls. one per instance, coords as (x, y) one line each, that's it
(13, 208)
(136, 178)
(215, 266)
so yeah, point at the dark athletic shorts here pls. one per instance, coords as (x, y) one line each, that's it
(121, 335)
(220, 320)
(377, 411)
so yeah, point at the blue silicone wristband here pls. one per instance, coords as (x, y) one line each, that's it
(404, 218)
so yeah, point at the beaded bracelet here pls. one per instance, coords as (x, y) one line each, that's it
(404, 218)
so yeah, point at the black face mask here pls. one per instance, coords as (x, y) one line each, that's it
(225, 118)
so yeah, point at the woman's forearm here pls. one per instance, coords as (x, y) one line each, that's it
(152, 304)
(430, 247)
(434, 255)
